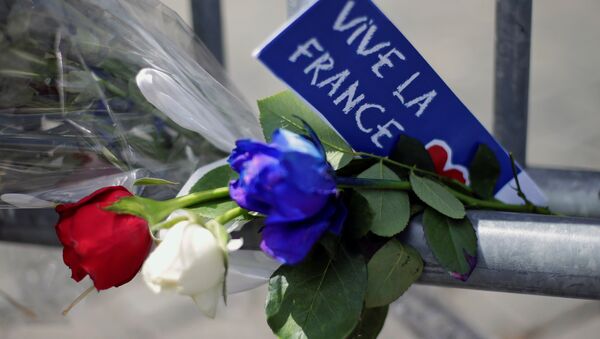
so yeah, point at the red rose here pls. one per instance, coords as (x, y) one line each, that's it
(110, 247)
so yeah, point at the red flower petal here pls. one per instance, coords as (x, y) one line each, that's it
(110, 247)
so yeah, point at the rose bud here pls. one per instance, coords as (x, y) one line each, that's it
(107, 246)
(291, 182)
(189, 261)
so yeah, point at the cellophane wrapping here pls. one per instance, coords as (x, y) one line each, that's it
(97, 93)
(72, 116)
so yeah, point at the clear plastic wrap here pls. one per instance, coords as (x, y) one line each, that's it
(94, 91)
(99, 93)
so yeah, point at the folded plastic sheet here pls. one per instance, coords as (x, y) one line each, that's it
(99, 93)
(91, 90)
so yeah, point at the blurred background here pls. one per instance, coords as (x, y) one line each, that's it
(457, 38)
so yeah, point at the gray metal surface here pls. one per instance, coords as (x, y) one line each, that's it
(570, 192)
(31, 226)
(206, 16)
(555, 256)
(511, 87)
(293, 6)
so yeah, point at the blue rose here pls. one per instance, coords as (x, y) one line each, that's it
(291, 182)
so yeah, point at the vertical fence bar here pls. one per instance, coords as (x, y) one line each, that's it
(206, 16)
(511, 97)
(294, 6)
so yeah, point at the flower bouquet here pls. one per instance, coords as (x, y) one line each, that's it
(331, 217)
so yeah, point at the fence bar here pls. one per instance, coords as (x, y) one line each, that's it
(30, 226)
(521, 253)
(206, 16)
(293, 6)
(511, 89)
(570, 192)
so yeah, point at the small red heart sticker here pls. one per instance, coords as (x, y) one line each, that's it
(441, 154)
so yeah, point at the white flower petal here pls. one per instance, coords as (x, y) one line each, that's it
(235, 244)
(208, 301)
(202, 260)
(161, 264)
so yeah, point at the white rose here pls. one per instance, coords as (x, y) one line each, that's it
(190, 262)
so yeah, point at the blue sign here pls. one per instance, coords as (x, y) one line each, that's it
(350, 63)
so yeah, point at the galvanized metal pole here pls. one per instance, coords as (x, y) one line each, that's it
(206, 16)
(519, 253)
(570, 192)
(523, 253)
(511, 90)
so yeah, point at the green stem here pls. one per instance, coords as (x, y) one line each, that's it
(198, 197)
(411, 168)
(470, 202)
(113, 88)
(379, 184)
(222, 219)
(167, 224)
(164, 208)
(229, 215)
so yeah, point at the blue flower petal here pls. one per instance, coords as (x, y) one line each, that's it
(289, 242)
(337, 220)
(312, 135)
(308, 173)
(246, 149)
(290, 245)
(239, 194)
(292, 183)
(287, 141)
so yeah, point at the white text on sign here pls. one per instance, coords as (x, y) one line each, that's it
(319, 66)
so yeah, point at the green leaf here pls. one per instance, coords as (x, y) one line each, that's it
(330, 243)
(217, 178)
(153, 182)
(338, 159)
(282, 111)
(371, 323)
(356, 167)
(453, 242)
(151, 210)
(391, 208)
(437, 197)
(484, 172)
(411, 152)
(360, 216)
(215, 209)
(391, 271)
(320, 298)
